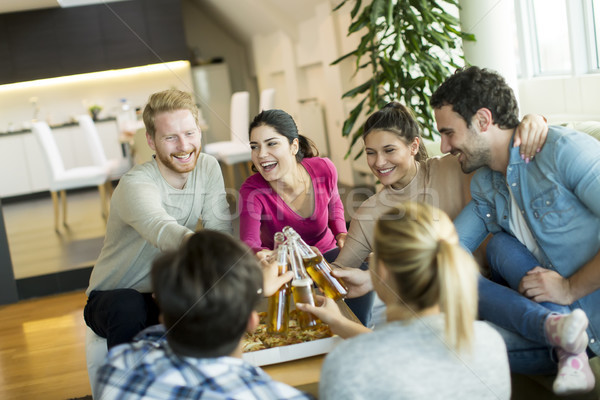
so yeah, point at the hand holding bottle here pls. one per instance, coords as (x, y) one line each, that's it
(329, 313)
(272, 281)
(356, 280)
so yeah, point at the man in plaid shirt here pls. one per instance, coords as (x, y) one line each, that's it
(207, 293)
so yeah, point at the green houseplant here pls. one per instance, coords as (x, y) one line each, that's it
(95, 111)
(411, 47)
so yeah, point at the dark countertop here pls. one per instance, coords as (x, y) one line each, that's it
(57, 126)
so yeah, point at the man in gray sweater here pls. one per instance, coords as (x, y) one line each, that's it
(155, 207)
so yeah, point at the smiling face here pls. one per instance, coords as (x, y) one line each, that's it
(466, 143)
(272, 154)
(390, 158)
(177, 142)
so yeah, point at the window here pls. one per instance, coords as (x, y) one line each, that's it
(595, 34)
(552, 35)
(558, 37)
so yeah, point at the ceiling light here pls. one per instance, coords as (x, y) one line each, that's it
(76, 3)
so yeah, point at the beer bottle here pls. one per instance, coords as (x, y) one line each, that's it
(278, 240)
(302, 288)
(278, 309)
(318, 269)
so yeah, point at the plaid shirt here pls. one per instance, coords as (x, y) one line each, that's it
(149, 369)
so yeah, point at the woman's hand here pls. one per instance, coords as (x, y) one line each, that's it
(329, 313)
(357, 281)
(341, 239)
(531, 135)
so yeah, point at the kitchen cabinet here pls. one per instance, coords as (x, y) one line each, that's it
(79, 37)
(32, 44)
(57, 42)
(14, 178)
(22, 164)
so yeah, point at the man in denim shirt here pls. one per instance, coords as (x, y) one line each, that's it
(545, 217)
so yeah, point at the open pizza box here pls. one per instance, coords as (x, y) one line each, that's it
(297, 351)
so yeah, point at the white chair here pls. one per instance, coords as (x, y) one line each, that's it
(62, 179)
(267, 100)
(115, 167)
(140, 150)
(95, 355)
(237, 149)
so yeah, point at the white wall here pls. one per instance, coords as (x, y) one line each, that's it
(562, 99)
(298, 66)
(205, 34)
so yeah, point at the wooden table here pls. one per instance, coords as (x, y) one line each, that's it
(304, 373)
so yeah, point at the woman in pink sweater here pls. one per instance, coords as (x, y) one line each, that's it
(293, 187)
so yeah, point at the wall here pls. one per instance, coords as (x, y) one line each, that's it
(211, 40)
(562, 98)
(60, 100)
(298, 66)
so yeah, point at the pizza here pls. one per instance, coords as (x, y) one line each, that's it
(260, 339)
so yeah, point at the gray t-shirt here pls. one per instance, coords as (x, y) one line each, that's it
(409, 360)
(148, 216)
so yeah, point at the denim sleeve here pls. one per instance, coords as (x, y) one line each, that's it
(470, 227)
(577, 160)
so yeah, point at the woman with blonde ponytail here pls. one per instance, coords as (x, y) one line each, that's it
(431, 346)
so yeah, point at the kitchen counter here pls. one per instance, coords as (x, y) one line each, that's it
(55, 126)
(21, 154)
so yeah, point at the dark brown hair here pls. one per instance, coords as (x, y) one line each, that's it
(206, 292)
(284, 124)
(399, 120)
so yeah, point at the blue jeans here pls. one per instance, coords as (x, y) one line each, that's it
(522, 320)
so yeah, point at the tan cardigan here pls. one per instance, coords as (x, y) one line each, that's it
(439, 181)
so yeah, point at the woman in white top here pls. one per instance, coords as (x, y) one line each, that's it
(431, 347)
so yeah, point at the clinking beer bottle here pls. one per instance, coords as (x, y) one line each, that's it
(278, 310)
(317, 267)
(302, 288)
(278, 240)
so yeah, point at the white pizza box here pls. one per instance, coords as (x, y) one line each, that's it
(291, 352)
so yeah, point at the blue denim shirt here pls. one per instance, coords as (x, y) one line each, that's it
(558, 193)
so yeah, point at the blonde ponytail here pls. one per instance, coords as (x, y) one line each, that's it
(418, 244)
(458, 293)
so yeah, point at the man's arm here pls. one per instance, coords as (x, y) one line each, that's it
(139, 204)
(215, 210)
(579, 167)
(541, 284)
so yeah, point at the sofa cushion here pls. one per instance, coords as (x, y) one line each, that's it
(592, 128)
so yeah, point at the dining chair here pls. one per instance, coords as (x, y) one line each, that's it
(61, 179)
(236, 150)
(140, 150)
(115, 167)
(267, 99)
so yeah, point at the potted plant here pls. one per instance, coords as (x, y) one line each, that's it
(95, 111)
(411, 47)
